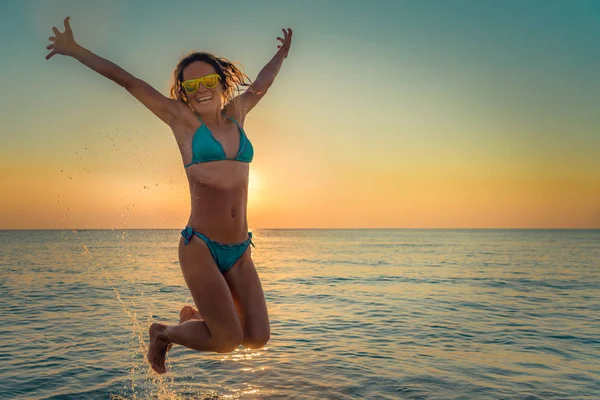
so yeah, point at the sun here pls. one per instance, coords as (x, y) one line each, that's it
(254, 184)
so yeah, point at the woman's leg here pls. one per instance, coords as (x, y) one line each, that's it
(246, 289)
(220, 331)
(187, 313)
(250, 302)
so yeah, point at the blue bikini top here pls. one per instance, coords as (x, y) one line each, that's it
(206, 148)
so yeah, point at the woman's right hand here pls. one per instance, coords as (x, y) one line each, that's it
(62, 43)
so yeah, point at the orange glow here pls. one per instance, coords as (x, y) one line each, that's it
(37, 197)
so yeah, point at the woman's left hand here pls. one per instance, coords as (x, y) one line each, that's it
(286, 42)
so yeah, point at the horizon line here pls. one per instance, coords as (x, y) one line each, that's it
(297, 229)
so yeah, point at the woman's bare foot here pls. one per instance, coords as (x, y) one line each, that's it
(159, 345)
(187, 313)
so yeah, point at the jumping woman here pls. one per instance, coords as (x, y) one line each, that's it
(206, 114)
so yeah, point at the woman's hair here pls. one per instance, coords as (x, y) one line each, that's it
(232, 78)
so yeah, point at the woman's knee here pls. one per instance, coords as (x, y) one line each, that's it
(257, 338)
(228, 340)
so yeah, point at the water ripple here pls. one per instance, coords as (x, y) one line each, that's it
(354, 314)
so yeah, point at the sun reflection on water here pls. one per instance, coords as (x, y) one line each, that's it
(417, 310)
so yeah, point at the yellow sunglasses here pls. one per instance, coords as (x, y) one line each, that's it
(209, 81)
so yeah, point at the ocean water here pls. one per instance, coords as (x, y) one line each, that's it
(355, 314)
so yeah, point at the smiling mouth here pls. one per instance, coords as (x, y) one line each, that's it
(204, 100)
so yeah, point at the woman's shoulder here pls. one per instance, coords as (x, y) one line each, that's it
(183, 120)
(181, 114)
(234, 111)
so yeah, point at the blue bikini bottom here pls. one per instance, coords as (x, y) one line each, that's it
(225, 255)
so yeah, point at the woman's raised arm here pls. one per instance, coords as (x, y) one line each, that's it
(64, 43)
(247, 100)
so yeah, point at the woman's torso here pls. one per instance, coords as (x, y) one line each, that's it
(218, 189)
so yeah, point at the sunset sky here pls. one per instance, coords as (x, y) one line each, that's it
(386, 114)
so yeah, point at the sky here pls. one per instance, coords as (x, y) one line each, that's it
(386, 114)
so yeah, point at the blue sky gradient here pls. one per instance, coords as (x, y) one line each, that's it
(389, 90)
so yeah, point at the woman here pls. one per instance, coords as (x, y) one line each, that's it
(214, 253)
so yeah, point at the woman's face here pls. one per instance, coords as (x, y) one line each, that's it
(203, 100)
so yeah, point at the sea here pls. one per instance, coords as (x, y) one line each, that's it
(355, 314)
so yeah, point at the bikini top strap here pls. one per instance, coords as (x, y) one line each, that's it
(227, 116)
(234, 121)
